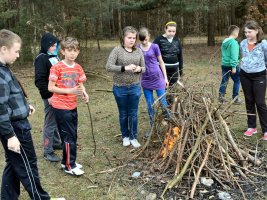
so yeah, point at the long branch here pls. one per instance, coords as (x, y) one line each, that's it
(200, 168)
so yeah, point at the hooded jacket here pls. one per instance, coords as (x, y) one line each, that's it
(43, 63)
(256, 60)
(230, 52)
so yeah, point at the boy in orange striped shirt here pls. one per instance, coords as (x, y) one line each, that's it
(66, 82)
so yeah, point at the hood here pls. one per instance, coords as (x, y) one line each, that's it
(227, 42)
(47, 41)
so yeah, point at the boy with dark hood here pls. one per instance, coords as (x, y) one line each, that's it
(43, 62)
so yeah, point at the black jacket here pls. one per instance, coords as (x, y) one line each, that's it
(43, 63)
(171, 52)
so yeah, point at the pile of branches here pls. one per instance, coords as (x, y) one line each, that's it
(197, 142)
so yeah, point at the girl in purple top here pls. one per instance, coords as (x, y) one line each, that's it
(155, 77)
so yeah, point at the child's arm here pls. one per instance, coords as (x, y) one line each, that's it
(53, 88)
(234, 53)
(163, 69)
(85, 95)
(6, 128)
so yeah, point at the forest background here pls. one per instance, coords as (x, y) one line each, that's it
(93, 21)
(202, 25)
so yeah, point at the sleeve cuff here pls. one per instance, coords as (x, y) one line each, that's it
(10, 135)
(122, 68)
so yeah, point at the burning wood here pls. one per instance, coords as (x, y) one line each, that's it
(198, 142)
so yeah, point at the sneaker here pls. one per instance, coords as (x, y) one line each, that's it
(250, 132)
(265, 136)
(52, 157)
(221, 99)
(135, 143)
(77, 165)
(75, 171)
(58, 198)
(126, 142)
(238, 101)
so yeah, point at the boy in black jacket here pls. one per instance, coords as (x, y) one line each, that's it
(43, 62)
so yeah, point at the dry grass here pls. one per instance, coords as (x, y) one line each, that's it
(199, 67)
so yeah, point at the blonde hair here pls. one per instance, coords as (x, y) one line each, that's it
(70, 43)
(125, 31)
(8, 38)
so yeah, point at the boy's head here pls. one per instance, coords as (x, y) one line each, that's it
(70, 43)
(70, 48)
(233, 31)
(49, 44)
(10, 44)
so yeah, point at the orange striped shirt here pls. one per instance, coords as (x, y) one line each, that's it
(66, 77)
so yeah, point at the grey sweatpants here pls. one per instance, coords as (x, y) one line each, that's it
(50, 133)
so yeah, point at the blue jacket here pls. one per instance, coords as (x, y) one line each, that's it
(256, 60)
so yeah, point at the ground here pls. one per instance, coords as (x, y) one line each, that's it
(106, 175)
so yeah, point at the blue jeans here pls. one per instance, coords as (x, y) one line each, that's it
(225, 77)
(150, 101)
(127, 98)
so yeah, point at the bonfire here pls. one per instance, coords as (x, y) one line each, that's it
(197, 142)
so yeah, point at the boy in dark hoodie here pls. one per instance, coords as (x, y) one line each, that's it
(230, 54)
(43, 62)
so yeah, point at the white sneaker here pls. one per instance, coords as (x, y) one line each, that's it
(126, 142)
(77, 165)
(75, 171)
(135, 143)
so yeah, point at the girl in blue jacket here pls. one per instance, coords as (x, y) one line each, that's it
(253, 76)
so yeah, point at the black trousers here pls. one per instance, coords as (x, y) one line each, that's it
(67, 123)
(172, 74)
(254, 88)
(21, 167)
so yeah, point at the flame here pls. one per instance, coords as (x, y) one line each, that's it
(170, 140)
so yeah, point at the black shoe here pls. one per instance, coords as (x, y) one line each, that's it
(57, 147)
(52, 157)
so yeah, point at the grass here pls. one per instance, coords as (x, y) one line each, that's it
(199, 67)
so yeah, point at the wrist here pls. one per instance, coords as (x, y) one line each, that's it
(122, 68)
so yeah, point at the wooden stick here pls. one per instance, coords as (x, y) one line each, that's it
(181, 153)
(179, 177)
(252, 159)
(200, 168)
(215, 135)
(230, 138)
(109, 170)
(112, 181)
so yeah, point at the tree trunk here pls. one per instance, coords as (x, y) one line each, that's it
(211, 28)
(119, 21)
(233, 19)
